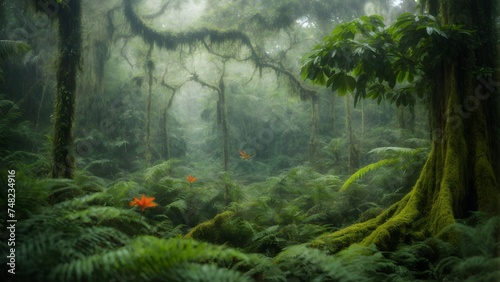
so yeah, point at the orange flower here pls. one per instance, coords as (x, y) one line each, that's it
(191, 179)
(144, 202)
(244, 155)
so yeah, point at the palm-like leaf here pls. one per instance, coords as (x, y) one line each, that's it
(361, 172)
(10, 48)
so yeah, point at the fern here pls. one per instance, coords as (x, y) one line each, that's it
(480, 251)
(147, 258)
(152, 174)
(201, 272)
(121, 192)
(10, 48)
(361, 172)
(179, 204)
(393, 156)
(354, 264)
(9, 113)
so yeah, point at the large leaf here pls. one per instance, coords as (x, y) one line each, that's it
(343, 83)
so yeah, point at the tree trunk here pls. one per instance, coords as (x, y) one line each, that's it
(70, 42)
(223, 122)
(165, 149)
(458, 176)
(352, 147)
(313, 140)
(150, 69)
(332, 115)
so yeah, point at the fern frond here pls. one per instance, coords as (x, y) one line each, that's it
(396, 151)
(361, 172)
(152, 174)
(79, 202)
(10, 48)
(145, 258)
(202, 272)
(179, 204)
(100, 214)
(122, 191)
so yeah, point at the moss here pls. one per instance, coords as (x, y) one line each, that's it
(170, 40)
(207, 230)
(224, 228)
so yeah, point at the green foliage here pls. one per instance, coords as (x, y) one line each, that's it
(76, 226)
(9, 48)
(9, 124)
(479, 254)
(148, 258)
(156, 172)
(361, 172)
(354, 264)
(368, 59)
(395, 157)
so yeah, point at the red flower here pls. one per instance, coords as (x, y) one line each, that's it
(191, 179)
(144, 202)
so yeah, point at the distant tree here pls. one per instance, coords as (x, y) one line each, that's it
(450, 62)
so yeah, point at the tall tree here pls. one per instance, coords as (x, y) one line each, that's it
(69, 48)
(450, 61)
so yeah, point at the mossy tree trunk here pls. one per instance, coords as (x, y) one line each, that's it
(70, 42)
(458, 176)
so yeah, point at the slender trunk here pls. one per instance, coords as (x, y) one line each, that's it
(165, 150)
(353, 157)
(332, 115)
(313, 140)
(362, 119)
(150, 69)
(223, 123)
(69, 46)
(401, 117)
(411, 122)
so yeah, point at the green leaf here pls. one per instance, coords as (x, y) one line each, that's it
(429, 30)
(361, 172)
(410, 77)
(343, 83)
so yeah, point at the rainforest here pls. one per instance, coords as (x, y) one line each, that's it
(250, 140)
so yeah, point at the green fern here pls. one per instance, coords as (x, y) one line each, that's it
(9, 114)
(397, 151)
(479, 257)
(201, 273)
(148, 258)
(354, 264)
(152, 174)
(393, 156)
(361, 172)
(10, 48)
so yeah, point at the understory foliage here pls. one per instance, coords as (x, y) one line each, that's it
(83, 231)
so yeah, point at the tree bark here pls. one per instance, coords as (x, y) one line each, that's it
(70, 41)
